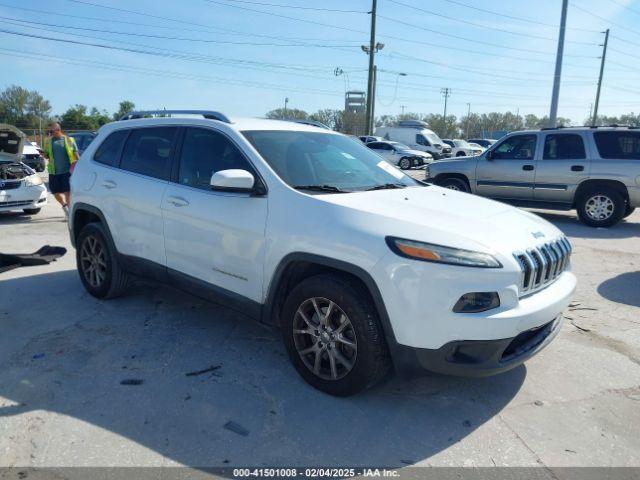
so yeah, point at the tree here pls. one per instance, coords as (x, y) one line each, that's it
(125, 106)
(79, 118)
(334, 119)
(288, 114)
(24, 108)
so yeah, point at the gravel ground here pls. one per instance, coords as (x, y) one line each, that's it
(91, 383)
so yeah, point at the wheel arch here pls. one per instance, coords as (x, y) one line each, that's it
(594, 183)
(297, 266)
(84, 214)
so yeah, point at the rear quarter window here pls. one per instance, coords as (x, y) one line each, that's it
(618, 144)
(108, 153)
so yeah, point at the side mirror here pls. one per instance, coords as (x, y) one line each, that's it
(234, 180)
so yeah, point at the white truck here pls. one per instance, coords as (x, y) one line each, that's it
(418, 136)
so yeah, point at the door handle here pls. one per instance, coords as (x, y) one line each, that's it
(110, 184)
(178, 201)
(577, 168)
(528, 168)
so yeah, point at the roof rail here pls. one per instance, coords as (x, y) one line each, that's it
(208, 114)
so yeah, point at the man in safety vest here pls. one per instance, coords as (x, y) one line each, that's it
(62, 153)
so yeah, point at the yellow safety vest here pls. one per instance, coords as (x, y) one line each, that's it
(70, 147)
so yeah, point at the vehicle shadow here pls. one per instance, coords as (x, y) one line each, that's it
(571, 226)
(203, 386)
(622, 289)
(15, 218)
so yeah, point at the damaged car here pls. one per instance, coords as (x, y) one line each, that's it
(21, 188)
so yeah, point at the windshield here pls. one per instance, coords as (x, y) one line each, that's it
(328, 162)
(461, 143)
(433, 138)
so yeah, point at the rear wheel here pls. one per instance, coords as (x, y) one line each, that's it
(31, 211)
(454, 183)
(461, 154)
(98, 265)
(405, 163)
(333, 335)
(601, 207)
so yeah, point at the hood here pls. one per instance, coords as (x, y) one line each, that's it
(442, 216)
(11, 143)
(417, 153)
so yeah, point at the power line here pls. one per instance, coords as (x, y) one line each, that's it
(475, 41)
(637, 12)
(202, 40)
(478, 25)
(297, 7)
(622, 27)
(512, 17)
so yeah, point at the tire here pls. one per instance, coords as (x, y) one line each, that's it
(32, 211)
(404, 163)
(629, 210)
(461, 154)
(360, 358)
(93, 247)
(601, 207)
(454, 183)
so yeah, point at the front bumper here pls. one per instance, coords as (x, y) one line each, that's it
(478, 358)
(23, 198)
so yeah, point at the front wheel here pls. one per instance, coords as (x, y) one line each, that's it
(601, 207)
(333, 335)
(405, 163)
(454, 183)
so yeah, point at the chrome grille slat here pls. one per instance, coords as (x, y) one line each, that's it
(541, 265)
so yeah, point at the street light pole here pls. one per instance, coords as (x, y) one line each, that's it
(286, 100)
(604, 56)
(553, 114)
(370, 86)
(468, 115)
(446, 92)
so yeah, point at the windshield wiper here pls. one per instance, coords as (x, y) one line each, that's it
(386, 186)
(320, 188)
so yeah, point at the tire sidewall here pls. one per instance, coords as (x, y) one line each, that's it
(406, 162)
(351, 303)
(96, 230)
(461, 184)
(618, 202)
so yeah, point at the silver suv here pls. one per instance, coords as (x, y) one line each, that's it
(595, 170)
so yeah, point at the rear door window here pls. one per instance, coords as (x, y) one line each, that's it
(618, 144)
(108, 153)
(148, 151)
(564, 147)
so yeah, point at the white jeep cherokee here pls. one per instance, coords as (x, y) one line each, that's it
(362, 267)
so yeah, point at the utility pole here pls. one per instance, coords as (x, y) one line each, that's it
(553, 115)
(371, 52)
(604, 56)
(468, 115)
(446, 93)
(286, 100)
(402, 107)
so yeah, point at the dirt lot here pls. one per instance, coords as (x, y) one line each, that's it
(90, 383)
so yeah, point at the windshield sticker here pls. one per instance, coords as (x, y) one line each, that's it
(387, 167)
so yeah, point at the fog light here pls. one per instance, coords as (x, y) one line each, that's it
(477, 302)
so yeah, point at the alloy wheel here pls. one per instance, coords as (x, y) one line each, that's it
(325, 338)
(599, 207)
(93, 261)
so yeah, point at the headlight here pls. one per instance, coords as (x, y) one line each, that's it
(33, 180)
(428, 252)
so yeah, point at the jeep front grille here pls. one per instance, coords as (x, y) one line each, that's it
(542, 265)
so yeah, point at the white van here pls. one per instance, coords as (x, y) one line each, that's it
(416, 135)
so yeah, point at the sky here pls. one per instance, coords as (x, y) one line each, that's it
(244, 57)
